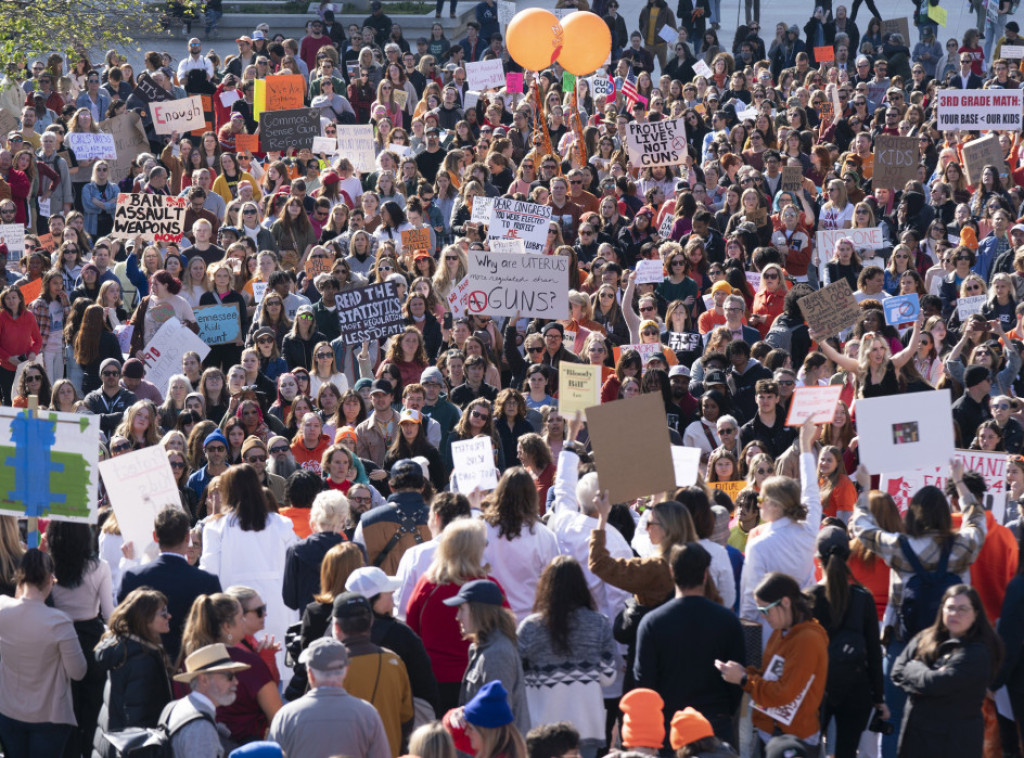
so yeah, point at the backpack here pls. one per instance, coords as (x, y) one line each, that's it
(847, 648)
(144, 742)
(780, 337)
(406, 525)
(922, 592)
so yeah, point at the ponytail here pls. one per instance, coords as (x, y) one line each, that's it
(837, 587)
(206, 617)
(35, 569)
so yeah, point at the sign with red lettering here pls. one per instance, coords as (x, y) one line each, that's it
(980, 109)
(178, 115)
(155, 218)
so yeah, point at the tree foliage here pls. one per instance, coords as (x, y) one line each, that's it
(37, 27)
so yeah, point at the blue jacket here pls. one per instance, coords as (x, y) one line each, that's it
(92, 211)
(104, 100)
(487, 17)
(987, 253)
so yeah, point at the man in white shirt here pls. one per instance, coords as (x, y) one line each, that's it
(194, 61)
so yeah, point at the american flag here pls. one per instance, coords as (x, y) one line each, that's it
(629, 89)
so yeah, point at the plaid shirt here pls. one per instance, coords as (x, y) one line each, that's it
(966, 546)
(41, 310)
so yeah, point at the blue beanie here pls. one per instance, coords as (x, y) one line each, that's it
(489, 707)
(258, 750)
(215, 436)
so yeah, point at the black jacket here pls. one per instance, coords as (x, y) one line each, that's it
(302, 568)
(299, 352)
(1011, 630)
(138, 686)
(943, 714)
(392, 634)
(431, 335)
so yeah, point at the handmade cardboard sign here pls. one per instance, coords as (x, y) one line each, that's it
(896, 160)
(830, 310)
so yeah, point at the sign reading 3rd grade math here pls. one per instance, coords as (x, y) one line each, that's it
(156, 218)
(369, 313)
(976, 109)
(656, 143)
(503, 284)
(515, 219)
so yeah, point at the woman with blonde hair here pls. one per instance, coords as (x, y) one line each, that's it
(452, 270)
(876, 369)
(140, 425)
(11, 550)
(432, 741)
(459, 559)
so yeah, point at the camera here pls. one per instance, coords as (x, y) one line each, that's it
(879, 725)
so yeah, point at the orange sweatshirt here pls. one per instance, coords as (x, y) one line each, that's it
(803, 652)
(995, 566)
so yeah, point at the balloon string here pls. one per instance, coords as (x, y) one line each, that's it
(577, 126)
(540, 122)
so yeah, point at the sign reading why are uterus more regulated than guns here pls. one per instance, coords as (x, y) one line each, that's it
(504, 284)
(656, 143)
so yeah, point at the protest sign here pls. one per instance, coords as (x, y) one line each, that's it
(148, 91)
(968, 306)
(482, 207)
(826, 114)
(579, 387)
(980, 153)
(30, 290)
(863, 239)
(753, 279)
(281, 130)
(218, 324)
(504, 284)
(229, 97)
(824, 54)
(326, 145)
(818, 403)
(473, 460)
(830, 310)
(506, 11)
(1012, 52)
(977, 109)
(159, 218)
(483, 75)
(732, 489)
(701, 68)
(601, 85)
(665, 230)
(632, 447)
(684, 342)
(13, 235)
(649, 272)
(259, 98)
(656, 143)
(646, 350)
(8, 123)
(162, 356)
(457, 298)
(792, 178)
(507, 246)
(401, 98)
(178, 115)
(92, 146)
(369, 313)
(285, 92)
(516, 219)
(50, 465)
(938, 14)
(991, 466)
(668, 34)
(139, 485)
(259, 289)
(896, 160)
(356, 143)
(686, 463)
(905, 432)
(249, 143)
(899, 26)
(514, 82)
(901, 309)
(316, 265)
(129, 141)
(416, 239)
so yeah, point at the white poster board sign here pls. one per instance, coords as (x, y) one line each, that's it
(516, 219)
(140, 485)
(178, 115)
(686, 462)
(818, 403)
(649, 272)
(13, 235)
(89, 146)
(484, 75)
(474, 464)
(506, 10)
(482, 207)
(980, 109)
(905, 432)
(457, 298)
(356, 143)
(968, 306)
(326, 145)
(162, 356)
(503, 284)
(656, 143)
(863, 239)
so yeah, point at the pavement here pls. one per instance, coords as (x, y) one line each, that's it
(772, 12)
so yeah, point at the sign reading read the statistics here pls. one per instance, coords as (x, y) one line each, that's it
(977, 109)
(515, 219)
(153, 217)
(369, 313)
(504, 284)
(656, 143)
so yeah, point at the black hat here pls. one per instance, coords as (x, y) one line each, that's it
(975, 375)
(381, 385)
(351, 605)
(1012, 26)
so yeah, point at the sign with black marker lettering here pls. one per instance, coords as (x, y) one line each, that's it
(515, 219)
(656, 143)
(156, 218)
(503, 284)
(178, 115)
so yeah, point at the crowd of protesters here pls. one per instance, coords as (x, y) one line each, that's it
(322, 587)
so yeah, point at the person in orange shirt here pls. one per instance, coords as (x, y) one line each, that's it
(867, 567)
(996, 564)
(310, 444)
(709, 319)
(838, 495)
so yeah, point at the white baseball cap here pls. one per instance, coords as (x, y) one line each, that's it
(371, 580)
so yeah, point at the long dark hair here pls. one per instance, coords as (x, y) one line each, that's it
(932, 638)
(244, 495)
(513, 504)
(928, 512)
(776, 586)
(71, 547)
(562, 589)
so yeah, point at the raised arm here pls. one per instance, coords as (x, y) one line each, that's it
(844, 362)
(903, 356)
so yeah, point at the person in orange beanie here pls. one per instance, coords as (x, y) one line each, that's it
(643, 725)
(692, 736)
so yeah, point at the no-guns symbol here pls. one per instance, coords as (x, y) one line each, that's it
(476, 302)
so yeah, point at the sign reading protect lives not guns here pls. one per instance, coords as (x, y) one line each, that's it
(503, 284)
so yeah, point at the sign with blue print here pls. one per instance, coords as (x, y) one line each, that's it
(902, 309)
(218, 324)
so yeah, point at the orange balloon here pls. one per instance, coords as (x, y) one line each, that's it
(534, 38)
(586, 43)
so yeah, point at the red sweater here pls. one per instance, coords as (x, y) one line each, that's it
(435, 623)
(18, 336)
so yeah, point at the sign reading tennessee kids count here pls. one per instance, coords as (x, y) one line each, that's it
(369, 313)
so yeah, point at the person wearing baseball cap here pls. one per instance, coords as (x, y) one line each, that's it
(133, 374)
(110, 400)
(412, 442)
(328, 720)
(215, 447)
(436, 404)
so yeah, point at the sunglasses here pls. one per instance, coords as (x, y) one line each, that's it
(122, 448)
(177, 465)
(324, 356)
(763, 609)
(255, 459)
(480, 416)
(279, 450)
(534, 350)
(260, 611)
(111, 373)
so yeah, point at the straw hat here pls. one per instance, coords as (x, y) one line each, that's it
(212, 659)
